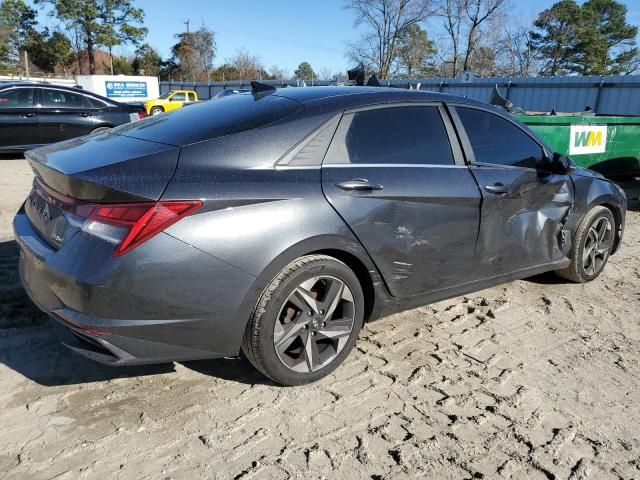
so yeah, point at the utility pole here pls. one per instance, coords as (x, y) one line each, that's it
(26, 64)
(187, 24)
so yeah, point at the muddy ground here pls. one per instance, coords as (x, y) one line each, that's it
(534, 379)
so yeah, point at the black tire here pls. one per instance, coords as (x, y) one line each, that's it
(259, 342)
(156, 110)
(99, 130)
(584, 239)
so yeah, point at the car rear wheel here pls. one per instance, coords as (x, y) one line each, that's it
(306, 321)
(591, 247)
(156, 110)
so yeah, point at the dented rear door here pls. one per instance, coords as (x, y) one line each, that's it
(392, 176)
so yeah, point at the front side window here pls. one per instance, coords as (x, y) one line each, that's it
(497, 141)
(61, 99)
(16, 98)
(397, 135)
(178, 97)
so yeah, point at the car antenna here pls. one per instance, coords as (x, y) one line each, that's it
(258, 88)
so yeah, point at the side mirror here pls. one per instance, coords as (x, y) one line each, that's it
(562, 164)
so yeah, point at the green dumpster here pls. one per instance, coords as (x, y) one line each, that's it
(607, 144)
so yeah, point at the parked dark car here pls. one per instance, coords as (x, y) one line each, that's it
(278, 223)
(33, 114)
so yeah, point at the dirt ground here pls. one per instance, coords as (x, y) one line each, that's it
(533, 379)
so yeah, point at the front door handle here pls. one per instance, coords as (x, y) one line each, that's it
(86, 114)
(497, 189)
(359, 184)
(28, 115)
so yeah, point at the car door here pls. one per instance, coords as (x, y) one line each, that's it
(176, 101)
(65, 114)
(524, 204)
(393, 176)
(18, 117)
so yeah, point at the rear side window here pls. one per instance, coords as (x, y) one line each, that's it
(192, 97)
(16, 98)
(495, 140)
(178, 97)
(397, 135)
(62, 99)
(208, 120)
(95, 103)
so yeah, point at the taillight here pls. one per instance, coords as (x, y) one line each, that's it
(137, 222)
(142, 115)
(126, 225)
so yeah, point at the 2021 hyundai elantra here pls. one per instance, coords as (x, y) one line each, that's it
(277, 223)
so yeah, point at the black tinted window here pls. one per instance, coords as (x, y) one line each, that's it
(495, 140)
(61, 99)
(392, 136)
(16, 98)
(95, 103)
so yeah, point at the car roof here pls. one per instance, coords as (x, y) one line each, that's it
(54, 85)
(341, 97)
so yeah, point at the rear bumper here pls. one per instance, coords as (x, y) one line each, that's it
(163, 301)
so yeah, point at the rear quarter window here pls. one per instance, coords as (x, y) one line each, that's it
(212, 119)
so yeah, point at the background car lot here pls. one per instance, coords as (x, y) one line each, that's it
(529, 379)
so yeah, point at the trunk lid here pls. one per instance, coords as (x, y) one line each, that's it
(103, 168)
(106, 168)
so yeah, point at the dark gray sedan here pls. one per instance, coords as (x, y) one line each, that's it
(277, 223)
(33, 114)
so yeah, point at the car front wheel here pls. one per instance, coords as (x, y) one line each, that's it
(591, 246)
(306, 321)
(157, 110)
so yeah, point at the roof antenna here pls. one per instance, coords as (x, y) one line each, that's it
(373, 81)
(356, 75)
(258, 88)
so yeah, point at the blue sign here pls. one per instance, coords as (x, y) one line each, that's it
(126, 89)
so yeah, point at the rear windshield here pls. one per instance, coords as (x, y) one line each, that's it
(211, 119)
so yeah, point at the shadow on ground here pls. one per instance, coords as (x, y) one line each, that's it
(631, 187)
(16, 309)
(11, 156)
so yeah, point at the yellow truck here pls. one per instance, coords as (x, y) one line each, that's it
(170, 101)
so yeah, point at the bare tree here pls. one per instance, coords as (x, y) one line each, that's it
(464, 23)
(478, 12)
(453, 12)
(249, 66)
(278, 73)
(324, 74)
(514, 53)
(386, 22)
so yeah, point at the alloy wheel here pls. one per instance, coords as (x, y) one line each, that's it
(597, 246)
(314, 323)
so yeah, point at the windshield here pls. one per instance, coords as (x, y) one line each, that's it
(165, 95)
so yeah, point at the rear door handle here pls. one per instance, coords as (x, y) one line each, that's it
(86, 114)
(27, 115)
(497, 189)
(359, 184)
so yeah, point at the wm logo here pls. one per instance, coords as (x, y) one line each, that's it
(588, 139)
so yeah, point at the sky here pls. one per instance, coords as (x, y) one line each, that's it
(284, 32)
